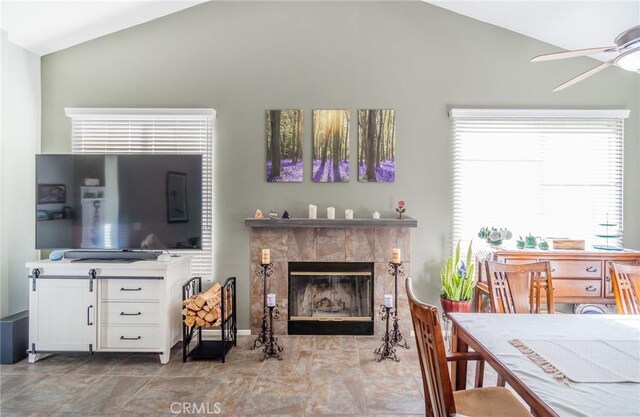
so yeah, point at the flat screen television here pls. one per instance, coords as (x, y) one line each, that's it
(111, 202)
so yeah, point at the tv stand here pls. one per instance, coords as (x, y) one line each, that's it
(111, 255)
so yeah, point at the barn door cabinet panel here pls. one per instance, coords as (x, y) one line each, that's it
(105, 307)
(578, 276)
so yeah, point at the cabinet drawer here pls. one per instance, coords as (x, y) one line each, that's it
(577, 288)
(130, 337)
(129, 313)
(130, 289)
(575, 269)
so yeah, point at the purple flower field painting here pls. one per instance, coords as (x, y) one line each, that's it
(376, 146)
(327, 173)
(330, 146)
(283, 131)
(289, 171)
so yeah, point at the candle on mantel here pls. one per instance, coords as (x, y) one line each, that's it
(348, 214)
(313, 211)
(331, 213)
(395, 256)
(271, 300)
(266, 256)
(388, 300)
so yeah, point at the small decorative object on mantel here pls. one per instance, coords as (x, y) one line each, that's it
(285, 215)
(376, 215)
(331, 213)
(258, 214)
(400, 209)
(544, 245)
(531, 241)
(273, 214)
(348, 214)
(313, 211)
(520, 243)
(495, 236)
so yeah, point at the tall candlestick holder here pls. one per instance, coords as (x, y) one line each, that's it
(265, 271)
(396, 269)
(388, 349)
(271, 348)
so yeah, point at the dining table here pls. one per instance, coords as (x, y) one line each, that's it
(496, 337)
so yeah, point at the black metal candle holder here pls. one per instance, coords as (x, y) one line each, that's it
(265, 271)
(271, 347)
(388, 349)
(396, 269)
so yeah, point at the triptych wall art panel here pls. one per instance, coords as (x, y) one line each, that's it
(330, 145)
(284, 145)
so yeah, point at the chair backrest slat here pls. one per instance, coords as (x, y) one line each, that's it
(438, 391)
(626, 287)
(518, 288)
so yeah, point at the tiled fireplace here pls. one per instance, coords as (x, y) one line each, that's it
(328, 275)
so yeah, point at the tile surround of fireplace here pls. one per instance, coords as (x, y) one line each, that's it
(328, 244)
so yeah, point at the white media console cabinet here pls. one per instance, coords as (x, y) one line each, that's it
(105, 306)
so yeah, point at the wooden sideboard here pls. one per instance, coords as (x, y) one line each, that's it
(578, 276)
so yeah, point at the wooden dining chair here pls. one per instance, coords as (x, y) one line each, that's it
(440, 399)
(518, 288)
(626, 287)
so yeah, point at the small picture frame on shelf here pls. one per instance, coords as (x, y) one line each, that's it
(67, 212)
(57, 215)
(52, 193)
(42, 215)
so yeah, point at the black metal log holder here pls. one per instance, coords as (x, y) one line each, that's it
(388, 349)
(271, 348)
(211, 349)
(265, 271)
(396, 269)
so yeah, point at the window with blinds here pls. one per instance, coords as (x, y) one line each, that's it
(154, 131)
(551, 173)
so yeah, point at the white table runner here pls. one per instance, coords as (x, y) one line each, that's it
(585, 360)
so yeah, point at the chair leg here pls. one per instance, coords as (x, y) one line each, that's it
(501, 382)
(479, 374)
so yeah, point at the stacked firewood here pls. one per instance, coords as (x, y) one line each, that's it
(203, 310)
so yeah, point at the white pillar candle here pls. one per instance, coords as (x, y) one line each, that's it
(266, 256)
(395, 256)
(313, 211)
(348, 214)
(271, 300)
(331, 213)
(388, 300)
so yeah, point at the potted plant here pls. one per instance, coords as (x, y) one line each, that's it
(458, 281)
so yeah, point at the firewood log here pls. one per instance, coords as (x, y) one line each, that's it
(190, 321)
(200, 322)
(202, 313)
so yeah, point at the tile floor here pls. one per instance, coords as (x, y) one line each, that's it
(318, 376)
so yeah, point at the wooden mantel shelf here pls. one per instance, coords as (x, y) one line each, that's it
(404, 222)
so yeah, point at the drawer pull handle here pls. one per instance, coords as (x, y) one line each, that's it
(122, 313)
(130, 289)
(130, 338)
(591, 269)
(608, 279)
(553, 269)
(591, 288)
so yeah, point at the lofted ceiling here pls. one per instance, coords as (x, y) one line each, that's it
(50, 25)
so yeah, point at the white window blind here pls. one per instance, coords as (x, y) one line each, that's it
(552, 173)
(154, 131)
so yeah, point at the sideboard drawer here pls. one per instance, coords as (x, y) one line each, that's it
(130, 337)
(129, 313)
(575, 269)
(130, 289)
(577, 288)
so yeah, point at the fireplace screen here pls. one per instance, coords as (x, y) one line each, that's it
(338, 295)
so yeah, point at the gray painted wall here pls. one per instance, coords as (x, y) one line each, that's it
(241, 58)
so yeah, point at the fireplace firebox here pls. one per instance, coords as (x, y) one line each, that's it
(330, 298)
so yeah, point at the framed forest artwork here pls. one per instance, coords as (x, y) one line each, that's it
(283, 131)
(330, 146)
(376, 146)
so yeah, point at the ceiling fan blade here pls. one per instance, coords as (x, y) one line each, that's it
(584, 75)
(573, 54)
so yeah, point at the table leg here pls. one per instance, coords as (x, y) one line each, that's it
(458, 368)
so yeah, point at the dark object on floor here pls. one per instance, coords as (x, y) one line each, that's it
(211, 349)
(14, 337)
